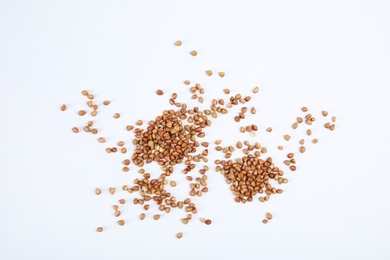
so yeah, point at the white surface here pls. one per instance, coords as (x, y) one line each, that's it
(321, 54)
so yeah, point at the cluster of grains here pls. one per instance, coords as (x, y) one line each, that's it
(173, 138)
(250, 175)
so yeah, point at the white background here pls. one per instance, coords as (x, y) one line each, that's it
(330, 55)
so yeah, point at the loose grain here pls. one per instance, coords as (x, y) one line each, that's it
(315, 140)
(179, 235)
(302, 149)
(221, 74)
(178, 43)
(194, 53)
(255, 90)
(121, 222)
(116, 115)
(324, 113)
(209, 72)
(106, 102)
(63, 107)
(269, 129)
(287, 137)
(268, 216)
(99, 229)
(159, 92)
(102, 140)
(305, 109)
(98, 191)
(112, 190)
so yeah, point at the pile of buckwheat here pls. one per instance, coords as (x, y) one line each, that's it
(174, 138)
